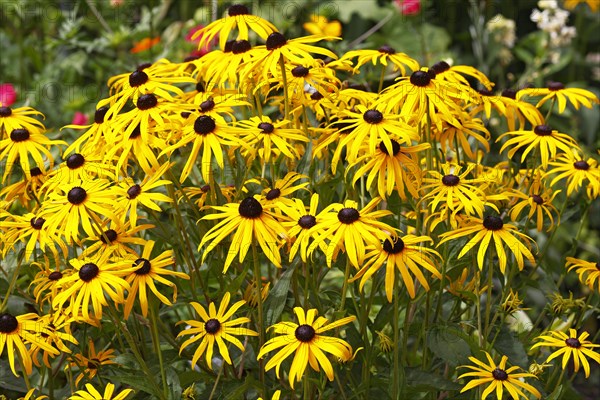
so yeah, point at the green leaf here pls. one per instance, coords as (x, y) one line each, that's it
(137, 381)
(448, 343)
(277, 297)
(508, 344)
(427, 381)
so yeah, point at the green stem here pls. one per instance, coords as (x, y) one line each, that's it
(550, 110)
(13, 281)
(156, 341)
(396, 323)
(488, 303)
(259, 309)
(306, 386)
(381, 77)
(345, 285)
(214, 388)
(286, 98)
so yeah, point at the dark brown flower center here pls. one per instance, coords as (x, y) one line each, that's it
(386, 49)
(275, 41)
(8, 323)
(510, 93)
(37, 223)
(316, 96)
(100, 114)
(228, 46)
(492, 223)
(5, 111)
(305, 333)
(300, 71)
(200, 86)
(273, 194)
(212, 326)
(207, 105)
(266, 127)
(348, 215)
(205, 188)
(373, 116)
(143, 66)
(238, 9)
(450, 180)
(554, 86)
(420, 78)
(581, 165)
(147, 101)
(204, 125)
(542, 130)
(573, 342)
(88, 272)
(134, 191)
(135, 133)
(19, 135)
(35, 171)
(77, 195)
(499, 374)
(250, 208)
(439, 67)
(537, 199)
(394, 248)
(144, 266)
(485, 92)
(93, 363)
(240, 46)
(110, 235)
(55, 275)
(138, 78)
(395, 148)
(75, 161)
(307, 221)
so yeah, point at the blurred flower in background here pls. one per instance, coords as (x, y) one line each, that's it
(320, 25)
(503, 30)
(144, 44)
(8, 95)
(409, 7)
(80, 118)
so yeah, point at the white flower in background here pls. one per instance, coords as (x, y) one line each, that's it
(548, 4)
(553, 20)
(503, 30)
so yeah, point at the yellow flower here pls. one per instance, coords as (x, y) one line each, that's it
(215, 328)
(588, 271)
(90, 393)
(454, 74)
(320, 25)
(577, 170)
(559, 93)
(250, 221)
(89, 365)
(492, 227)
(498, 379)
(571, 4)
(305, 339)
(570, 346)
(384, 55)
(147, 272)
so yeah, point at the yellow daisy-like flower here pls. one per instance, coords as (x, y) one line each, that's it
(33, 230)
(577, 170)
(372, 126)
(76, 204)
(20, 118)
(90, 393)
(96, 134)
(320, 25)
(250, 221)
(147, 272)
(209, 135)
(15, 332)
(60, 326)
(539, 202)
(405, 254)
(84, 166)
(307, 341)
(454, 74)
(543, 138)
(265, 136)
(492, 227)
(453, 191)
(468, 128)
(115, 239)
(588, 271)
(348, 229)
(22, 144)
(557, 91)
(570, 346)
(90, 365)
(302, 219)
(26, 189)
(216, 327)
(95, 280)
(130, 195)
(47, 282)
(498, 378)
(506, 105)
(239, 18)
(384, 55)
(283, 189)
(399, 170)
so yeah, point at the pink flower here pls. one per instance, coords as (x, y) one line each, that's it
(190, 34)
(8, 95)
(409, 7)
(80, 119)
(206, 49)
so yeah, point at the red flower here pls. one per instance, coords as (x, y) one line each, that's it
(79, 119)
(409, 7)
(206, 49)
(8, 95)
